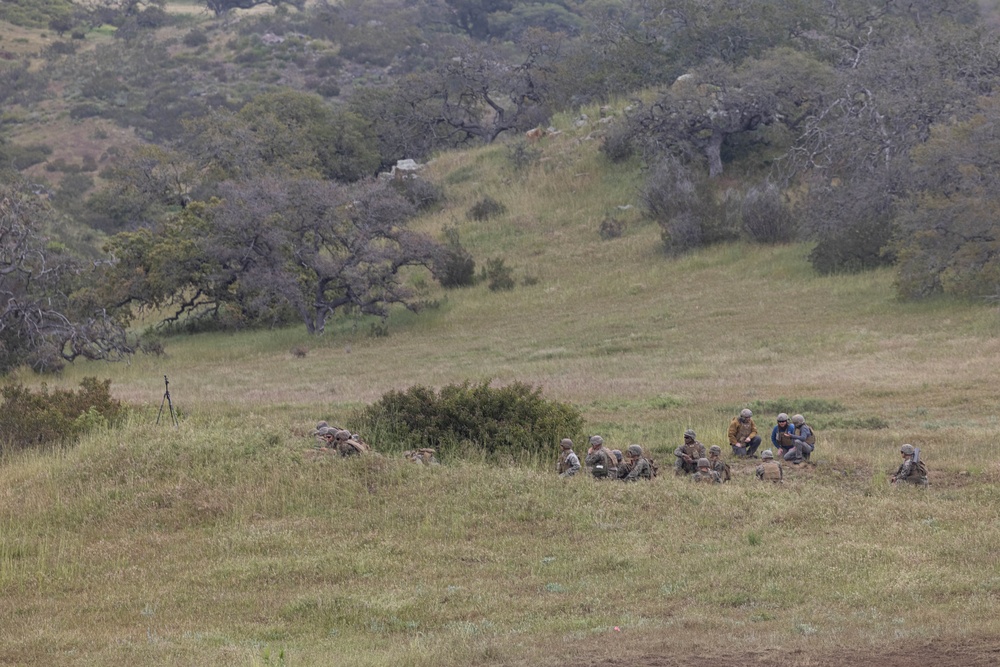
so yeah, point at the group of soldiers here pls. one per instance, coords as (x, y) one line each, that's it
(339, 441)
(794, 440)
(336, 440)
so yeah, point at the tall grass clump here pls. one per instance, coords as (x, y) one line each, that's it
(514, 419)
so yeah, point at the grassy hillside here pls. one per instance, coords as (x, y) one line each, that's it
(220, 543)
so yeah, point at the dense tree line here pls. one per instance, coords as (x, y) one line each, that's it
(252, 199)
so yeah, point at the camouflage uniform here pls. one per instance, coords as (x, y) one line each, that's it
(347, 445)
(687, 455)
(741, 428)
(770, 470)
(705, 474)
(326, 438)
(910, 471)
(424, 455)
(718, 465)
(601, 462)
(635, 467)
(569, 462)
(800, 448)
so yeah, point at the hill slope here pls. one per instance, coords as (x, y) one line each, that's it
(221, 542)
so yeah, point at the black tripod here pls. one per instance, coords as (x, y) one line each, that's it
(166, 399)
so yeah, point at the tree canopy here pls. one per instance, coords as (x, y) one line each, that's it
(50, 312)
(275, 248)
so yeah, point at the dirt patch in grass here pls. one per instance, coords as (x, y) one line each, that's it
(937, 653)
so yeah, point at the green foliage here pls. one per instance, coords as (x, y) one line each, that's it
(618, 145)
(766, 217)
(947, 238)
(20, 84)
(22, 157)
(513, 419)
(498, 276)
(289, 133)
(420, 192)
(611, 228)
(521, 155)
(689, 208)
(34, 13)
(485, 208)
(195, 38)
(458, 268)
(31, 418)
(858, 246)
(867, 423)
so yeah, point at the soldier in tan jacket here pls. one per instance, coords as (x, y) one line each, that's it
(743, 436)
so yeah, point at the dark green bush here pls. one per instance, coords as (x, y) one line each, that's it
(858, 246)
(22, 157)
(195, 38)
(457, 268)
(85, 110)
(496, 420)
(498, 275)
(61, 48)
(521, 155)
(611, 228)
(420, 192)
(766, 217)
(485, 208)
(37, 418)
(690, 210)
(618, 145)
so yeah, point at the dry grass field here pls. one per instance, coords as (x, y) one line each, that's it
(220, 543)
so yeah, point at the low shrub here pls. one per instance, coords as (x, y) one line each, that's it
(485, 208)
(611, 228)
(521, 156)
(688, 207)
(506, 420)
(195, 38)
(766, 218)
(498, 276)
(37, 418)
(618, 145)
(457, 267)
(420, 192)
